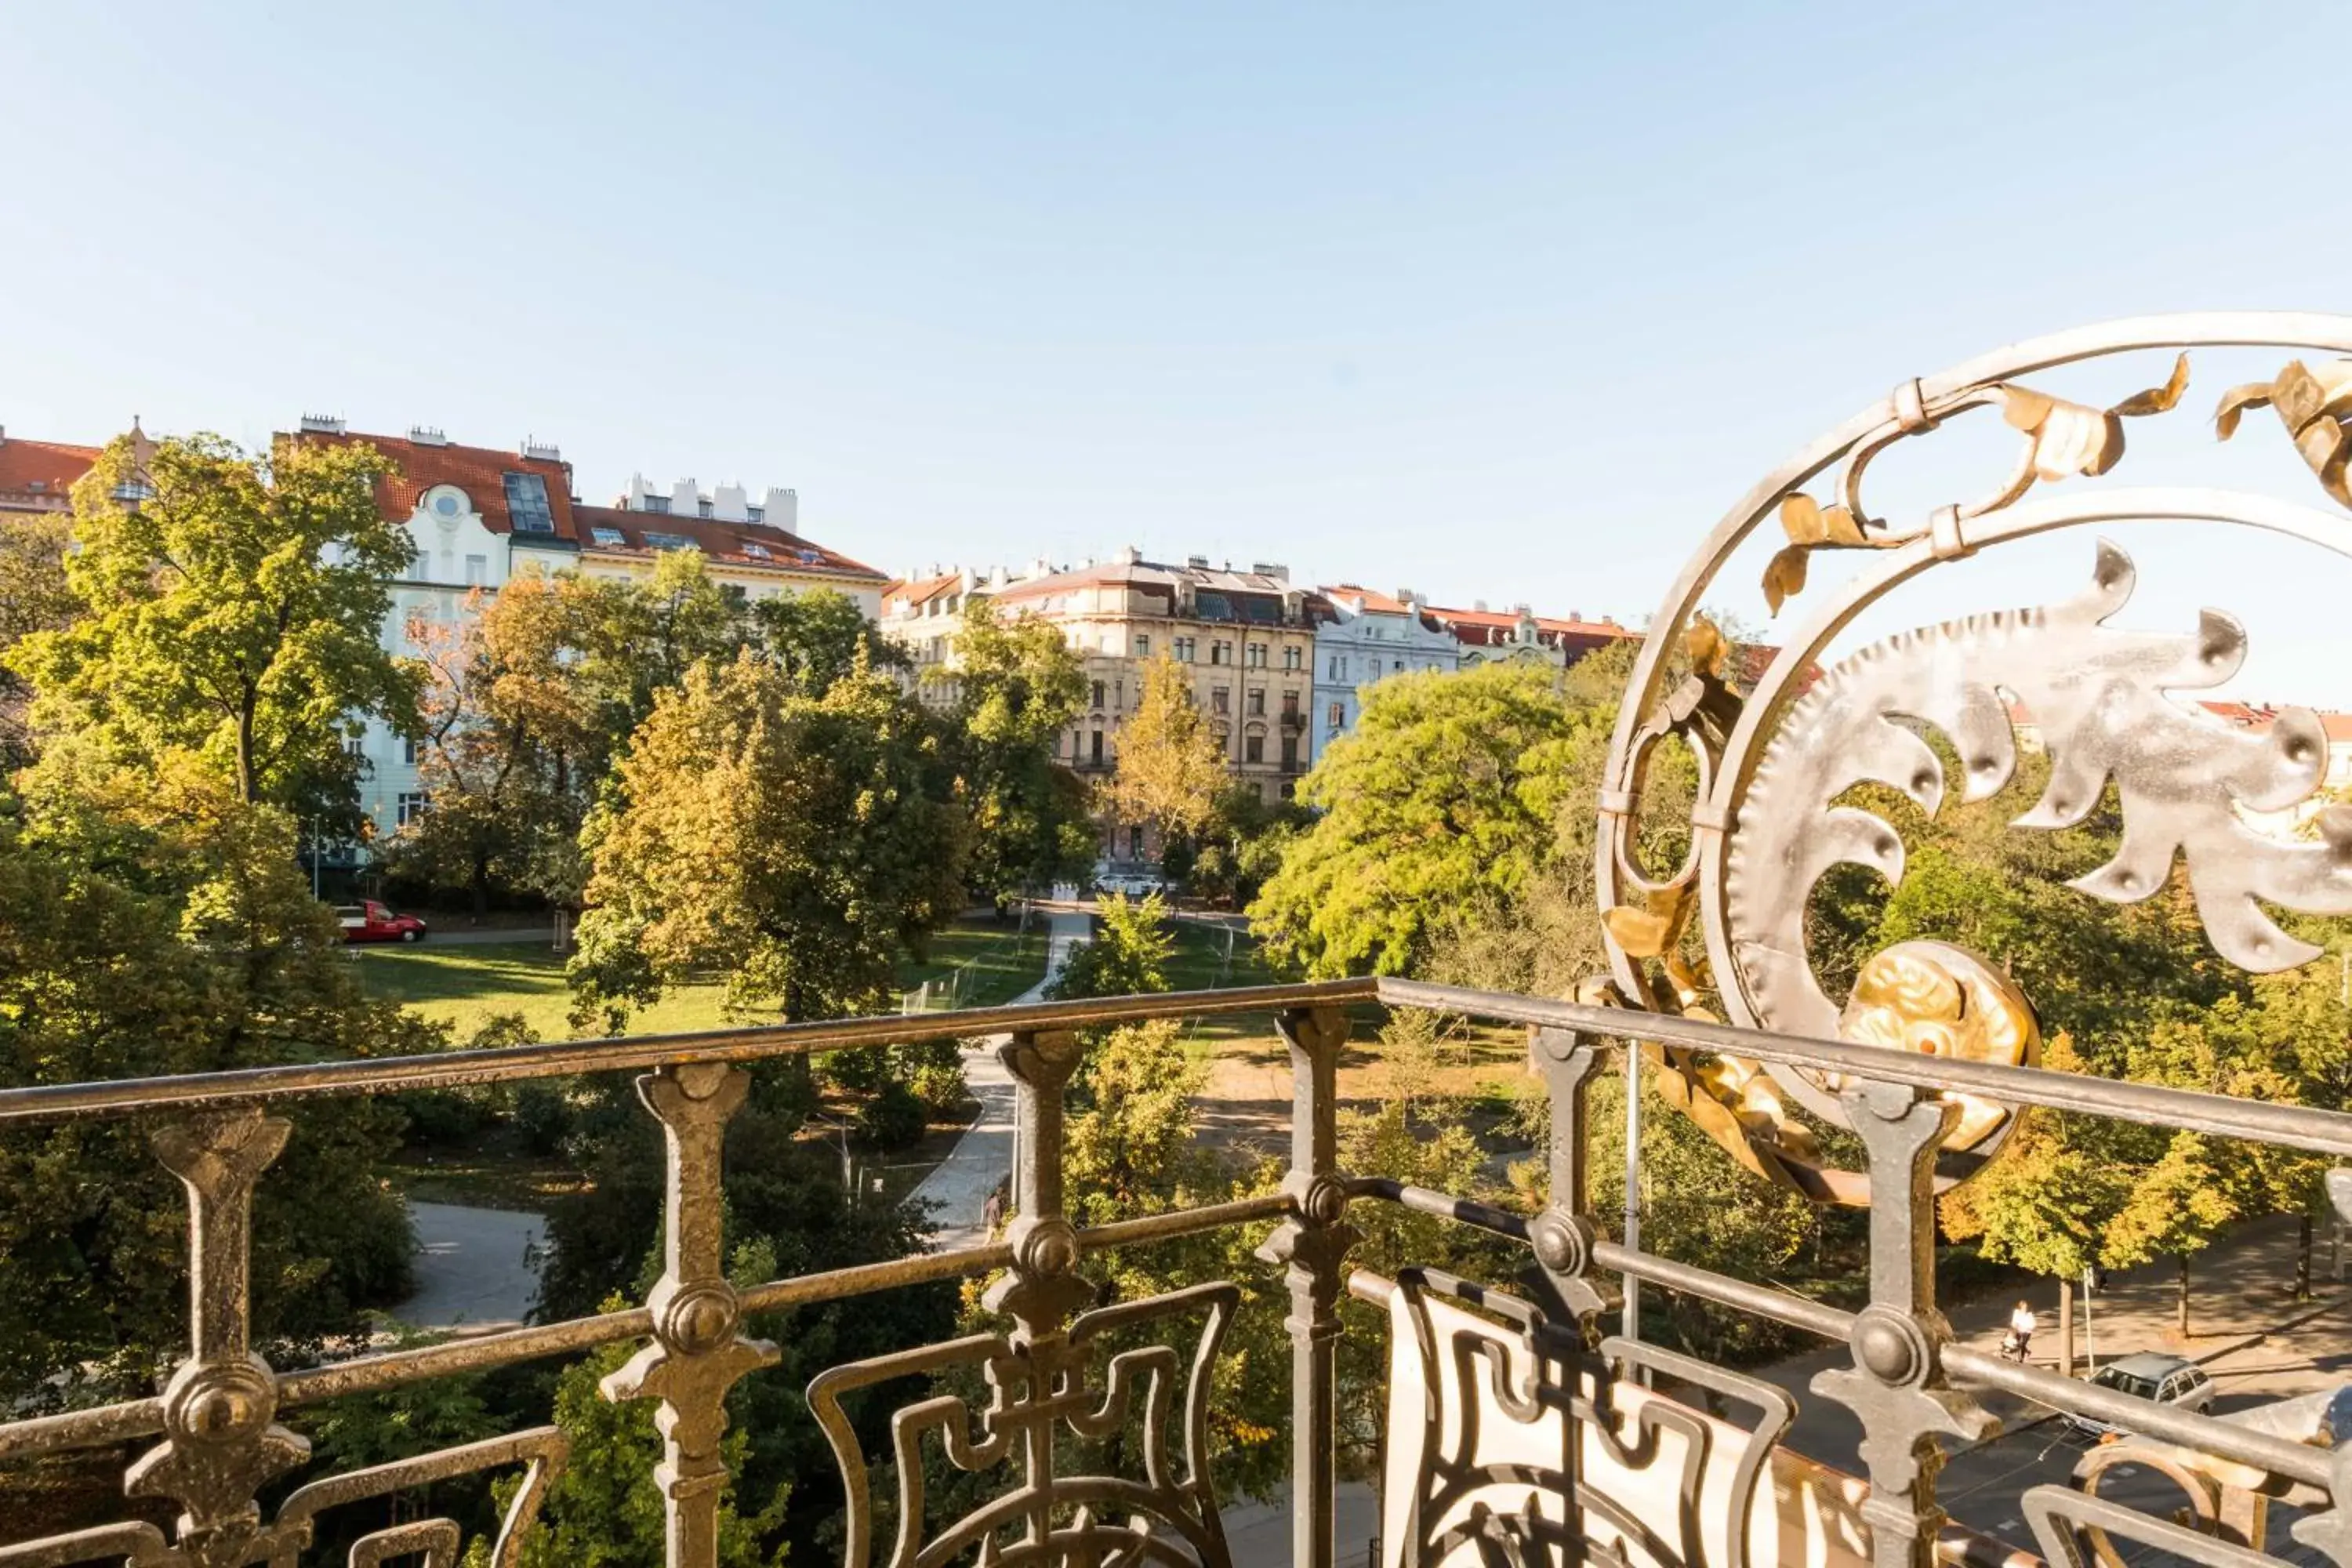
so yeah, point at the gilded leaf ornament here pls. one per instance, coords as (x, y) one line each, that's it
(2315, 406)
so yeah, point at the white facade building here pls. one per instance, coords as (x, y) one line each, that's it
(1368, 638)
(478, 516)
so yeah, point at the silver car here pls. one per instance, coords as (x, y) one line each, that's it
(2151, 1375)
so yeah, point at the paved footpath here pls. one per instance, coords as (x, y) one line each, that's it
(958, 1187)
(475, 1268)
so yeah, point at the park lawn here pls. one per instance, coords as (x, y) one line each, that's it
(466, 985)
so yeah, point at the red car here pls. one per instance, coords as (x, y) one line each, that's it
(368, 920)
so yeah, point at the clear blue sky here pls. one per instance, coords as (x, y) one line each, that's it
(1499, 302)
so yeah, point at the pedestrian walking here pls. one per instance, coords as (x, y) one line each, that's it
(2021, 1333)
(992, 1212)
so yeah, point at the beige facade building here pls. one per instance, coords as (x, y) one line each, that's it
(1246, 638)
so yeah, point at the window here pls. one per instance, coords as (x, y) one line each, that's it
(656, 504)
(1221, 651)
(1135, 843)
(1257, 702)
(1254, 655)
(1187, 649)
(526, 503)
(1220, 699)
(667, 542)
(1254, 748)
(1098, 694)
(1290, 753)
(735, 595)
(1338, 666)
(1118, 695)
(1094, 751)
(411, 807)
(756, 551)
(1291, 705)
(477, 570)
(408, 749)
(1338, 718)
(610, 538)
(1290, 658)
(1142, 648)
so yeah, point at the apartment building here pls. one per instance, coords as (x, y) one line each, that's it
(1367, 637)
(478, 516)
(38, 477)
(1246, 638)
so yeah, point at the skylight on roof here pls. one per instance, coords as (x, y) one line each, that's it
(526, 503)
(611, 538)
(756, 551)
(667, 542)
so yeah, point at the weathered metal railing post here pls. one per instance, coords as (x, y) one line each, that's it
(697, 1355)
(220, 1444)
(1896, 1383)
(1043, 1288)
(1562, 1235)
(1312, 1245)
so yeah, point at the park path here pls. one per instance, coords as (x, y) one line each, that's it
(957, 1189)
(475, 1268)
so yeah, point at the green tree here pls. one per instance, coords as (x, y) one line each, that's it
(235, 610)
(1171, 767)
(1018, 685)
(152, 926)
(820, 636)
(1445, 797)
(35, 596)
(1127, 956)
(796, 845)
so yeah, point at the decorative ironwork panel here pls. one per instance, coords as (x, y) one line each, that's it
(1510, 1442)
(1078, 1384)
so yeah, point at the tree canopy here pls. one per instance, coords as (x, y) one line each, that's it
(232, 606)
(1171, 766)
(1018, 685)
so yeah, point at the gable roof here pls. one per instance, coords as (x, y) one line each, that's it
(479, 471)
(42, 471)
(907, 594)
(751, 544)
(1487, 628)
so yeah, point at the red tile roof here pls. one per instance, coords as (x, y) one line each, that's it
(479, 471)
(1486, 628)
(42, 468)
(753, 544)
(2337, 725)
(1377, 604)
(909, 593)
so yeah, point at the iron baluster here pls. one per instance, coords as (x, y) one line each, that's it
(697, 1355)
(1312, 1246)
(1896, 1384)
(220, 1442)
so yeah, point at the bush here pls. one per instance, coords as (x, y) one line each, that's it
(542, 1116)
(893, 1118)
(941, 1088)
(438, 1116)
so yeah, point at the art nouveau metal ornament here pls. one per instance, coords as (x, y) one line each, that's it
(1725, 934)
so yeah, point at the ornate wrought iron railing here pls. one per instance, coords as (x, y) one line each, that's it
(1516, 1431)
(224, 1428)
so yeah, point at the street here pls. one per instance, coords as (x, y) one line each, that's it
(1980, 1487)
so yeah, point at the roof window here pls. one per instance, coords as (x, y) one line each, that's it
(526, 503)
(610, 538)
(669, 542)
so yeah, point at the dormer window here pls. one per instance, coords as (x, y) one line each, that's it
(448, 503)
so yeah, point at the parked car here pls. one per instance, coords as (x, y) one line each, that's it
(2154, 1377)
(368, 920)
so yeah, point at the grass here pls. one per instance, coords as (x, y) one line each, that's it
(464, 986)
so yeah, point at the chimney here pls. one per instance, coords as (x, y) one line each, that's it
(1131, 556)
(428, 436)
(1405, 597)
(1576, 615)
(1196, 563)
(1479, 605)
(321, 424)
(1273, 569)
(684, 499)
(4, 435)
(541, 451)
(728, 503)
(782, 509)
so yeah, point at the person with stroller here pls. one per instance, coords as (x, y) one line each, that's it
(2021, 1333)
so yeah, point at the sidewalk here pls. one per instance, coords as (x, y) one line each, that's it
(958, 1187)
(2240, 1289)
